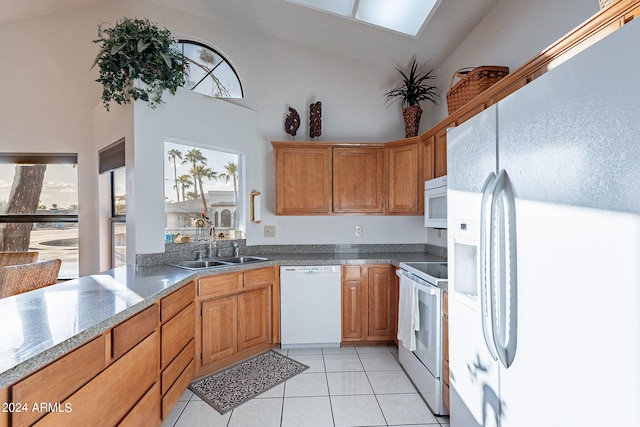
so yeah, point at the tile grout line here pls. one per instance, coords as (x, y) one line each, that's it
(375, 396)
(326, 377)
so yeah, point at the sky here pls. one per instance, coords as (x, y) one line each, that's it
(60, 185)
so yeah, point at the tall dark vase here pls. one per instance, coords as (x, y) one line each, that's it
(411, 117)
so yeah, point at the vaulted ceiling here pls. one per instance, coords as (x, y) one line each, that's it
(451, 23)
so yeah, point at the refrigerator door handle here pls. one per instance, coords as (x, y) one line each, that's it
(504, 277)
(486, 292)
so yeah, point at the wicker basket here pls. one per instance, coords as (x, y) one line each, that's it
(473, 81)
(605, 3)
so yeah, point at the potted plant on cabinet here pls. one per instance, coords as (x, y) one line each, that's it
(413, 90)
(138, 60)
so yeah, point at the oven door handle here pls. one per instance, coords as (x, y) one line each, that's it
(430, 289)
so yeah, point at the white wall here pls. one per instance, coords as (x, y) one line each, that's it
(48, 94)
(512, 33)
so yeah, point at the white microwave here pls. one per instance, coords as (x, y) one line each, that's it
(435, 202)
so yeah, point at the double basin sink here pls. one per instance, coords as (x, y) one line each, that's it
(217, 262)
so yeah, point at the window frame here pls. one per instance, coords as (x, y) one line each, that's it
(48, 159)
(181, 42)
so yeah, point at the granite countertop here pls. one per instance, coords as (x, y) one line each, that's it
(42, 325)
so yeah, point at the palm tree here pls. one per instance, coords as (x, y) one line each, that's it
(232, 173)
(174, 154)
(195, 157)
(185, 182)
(199, 173)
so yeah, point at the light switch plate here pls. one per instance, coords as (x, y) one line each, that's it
(269, 231)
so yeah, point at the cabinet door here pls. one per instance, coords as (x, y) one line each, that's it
(382, 304)
(428, 156)
(253, 318)
(219, 329)
(353, 303)
(358, 180)
(441, 153)
(303, 180)
(404, 179)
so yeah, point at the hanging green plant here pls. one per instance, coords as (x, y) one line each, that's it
(136, 50)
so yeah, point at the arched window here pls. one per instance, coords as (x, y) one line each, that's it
(225, 216)
(209, 72)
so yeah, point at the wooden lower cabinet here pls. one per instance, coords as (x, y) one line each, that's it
(369, 304)
(108, 398)
(178, 348)
(352, 306)
(57, 381)
(382, 304)
(240, 321)
(253, 318)
(4, 399)
(219, 329)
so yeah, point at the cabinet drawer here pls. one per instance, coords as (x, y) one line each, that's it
(176, 333)
(182, 360)
(57, 381)
(172, 304)
(351, 272)
(110, 396)
(224, 284)
(146, 412)
(176, 390)
(259, 277)
(130, 332)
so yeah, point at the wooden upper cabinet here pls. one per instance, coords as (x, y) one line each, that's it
(440, 150)
(428, 155)
(333, 178)
(404, 178)
(358, 180)
(303, 180)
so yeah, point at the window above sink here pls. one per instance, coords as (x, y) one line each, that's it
(202, 183)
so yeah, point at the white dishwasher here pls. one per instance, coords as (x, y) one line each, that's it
(310, 306)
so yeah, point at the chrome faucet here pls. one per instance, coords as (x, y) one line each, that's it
(236, 250)
(212, 241)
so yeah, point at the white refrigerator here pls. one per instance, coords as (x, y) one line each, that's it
(544, 248)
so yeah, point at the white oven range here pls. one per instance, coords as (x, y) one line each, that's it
(420, 328)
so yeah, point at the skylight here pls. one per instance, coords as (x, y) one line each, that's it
(403, 16)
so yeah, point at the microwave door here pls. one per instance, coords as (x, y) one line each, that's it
(435, 208)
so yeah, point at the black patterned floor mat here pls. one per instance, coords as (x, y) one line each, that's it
(226, 389)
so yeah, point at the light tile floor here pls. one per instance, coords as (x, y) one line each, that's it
(343, 387)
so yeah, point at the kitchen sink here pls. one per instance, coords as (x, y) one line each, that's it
(243, 259)
(213, 263)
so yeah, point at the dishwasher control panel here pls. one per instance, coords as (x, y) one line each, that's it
(310, 269)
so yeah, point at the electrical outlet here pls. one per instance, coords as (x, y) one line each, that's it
(358, 231)
(269, 231)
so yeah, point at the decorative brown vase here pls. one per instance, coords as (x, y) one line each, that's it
(411, 117)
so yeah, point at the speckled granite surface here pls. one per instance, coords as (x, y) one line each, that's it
(40, 326)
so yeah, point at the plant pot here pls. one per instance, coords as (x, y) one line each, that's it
(411, 117)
